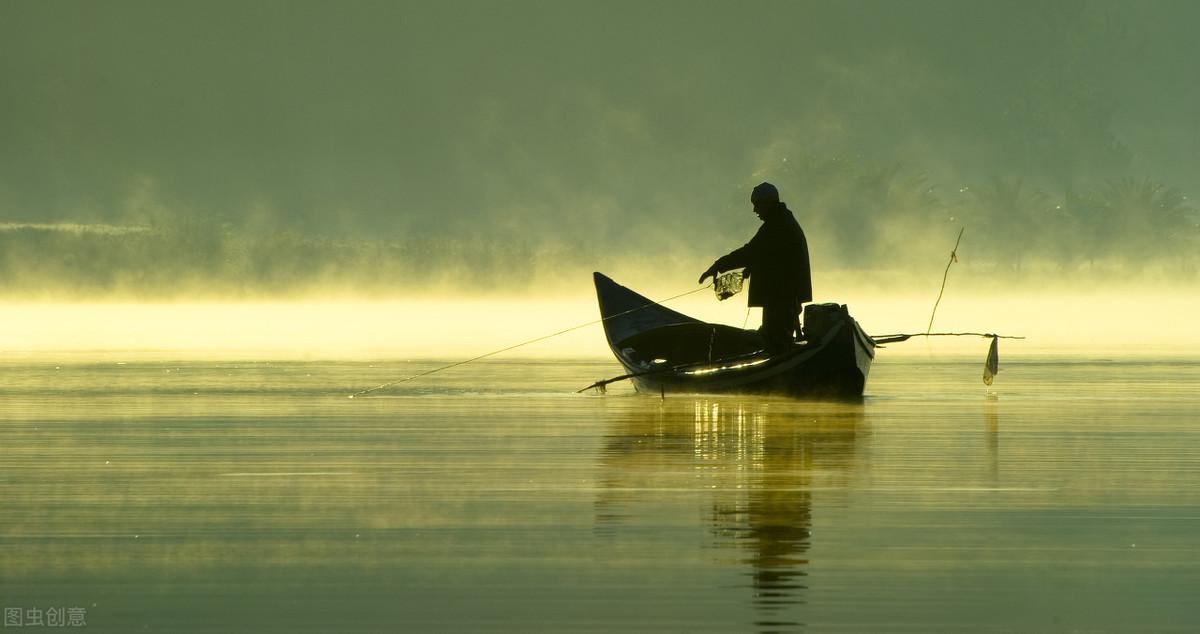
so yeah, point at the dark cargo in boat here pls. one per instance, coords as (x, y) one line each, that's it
(819, 319)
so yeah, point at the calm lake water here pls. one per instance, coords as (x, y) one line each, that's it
(147, 494)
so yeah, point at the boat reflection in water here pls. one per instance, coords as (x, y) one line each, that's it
(752, 467)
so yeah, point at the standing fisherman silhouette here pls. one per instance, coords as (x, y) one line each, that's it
(776, 261)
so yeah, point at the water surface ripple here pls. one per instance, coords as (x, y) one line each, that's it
(252, 496)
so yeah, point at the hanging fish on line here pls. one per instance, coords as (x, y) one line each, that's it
(992, 366)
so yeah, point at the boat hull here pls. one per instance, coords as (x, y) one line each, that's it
(667, 352)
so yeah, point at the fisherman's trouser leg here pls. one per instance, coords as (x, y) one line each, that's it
(780, 321)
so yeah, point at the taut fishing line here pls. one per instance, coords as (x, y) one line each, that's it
(524, 343)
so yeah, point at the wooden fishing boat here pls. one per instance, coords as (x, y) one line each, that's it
(664, 351)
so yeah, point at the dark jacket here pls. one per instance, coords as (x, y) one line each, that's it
(777, 259)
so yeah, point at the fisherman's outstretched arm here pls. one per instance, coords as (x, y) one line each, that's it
(735, 259)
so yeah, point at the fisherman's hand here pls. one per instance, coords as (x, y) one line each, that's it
(711, 272)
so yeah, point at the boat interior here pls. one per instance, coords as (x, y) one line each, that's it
(695, 342)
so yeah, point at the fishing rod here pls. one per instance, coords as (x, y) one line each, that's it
(991, 366)
(884, 339)
(896, 338)
(953, 259)
(525, 343)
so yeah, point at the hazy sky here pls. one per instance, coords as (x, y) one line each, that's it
(600, 128)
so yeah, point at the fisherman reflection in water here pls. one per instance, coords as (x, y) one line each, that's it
(776, 261)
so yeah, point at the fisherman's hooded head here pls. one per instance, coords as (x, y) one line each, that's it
(764, 197)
